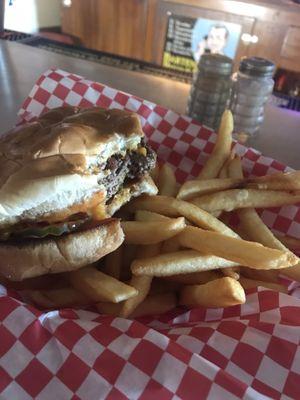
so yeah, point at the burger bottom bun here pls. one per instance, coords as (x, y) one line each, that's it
(66, 253)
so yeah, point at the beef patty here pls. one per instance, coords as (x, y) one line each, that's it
(126, 168)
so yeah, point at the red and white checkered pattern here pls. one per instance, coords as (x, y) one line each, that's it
(249, 351)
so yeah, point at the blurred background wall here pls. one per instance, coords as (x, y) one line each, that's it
(31, 15)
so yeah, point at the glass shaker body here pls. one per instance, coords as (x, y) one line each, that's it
(251, 89)
(210, 89)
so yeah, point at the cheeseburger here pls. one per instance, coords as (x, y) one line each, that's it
(62, 178)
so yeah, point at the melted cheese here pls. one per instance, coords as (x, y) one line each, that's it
(99, 212)
(94, 206)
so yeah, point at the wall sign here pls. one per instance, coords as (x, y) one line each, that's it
(188, 38)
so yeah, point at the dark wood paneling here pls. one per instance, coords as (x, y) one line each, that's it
(150, 29)
(270, 38)
(115, 26)
(290, 52)
(73, 22)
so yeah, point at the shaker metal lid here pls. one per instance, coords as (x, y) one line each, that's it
(257, 66)
(216, 63)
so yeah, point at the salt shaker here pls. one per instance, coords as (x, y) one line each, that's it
(210, 89)
(252, 86)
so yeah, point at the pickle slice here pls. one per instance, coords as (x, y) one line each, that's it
(39, 232)
(52, 230)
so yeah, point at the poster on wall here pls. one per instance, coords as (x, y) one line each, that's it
(187, 39)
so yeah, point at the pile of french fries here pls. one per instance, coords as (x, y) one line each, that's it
(179, 249)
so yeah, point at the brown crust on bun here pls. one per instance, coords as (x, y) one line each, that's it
(69, 131)
(65, 253)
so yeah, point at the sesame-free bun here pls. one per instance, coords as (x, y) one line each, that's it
(72, 131)
(58, 254)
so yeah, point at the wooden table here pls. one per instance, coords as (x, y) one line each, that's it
(21, 65)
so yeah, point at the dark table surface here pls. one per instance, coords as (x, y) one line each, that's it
(21, 65)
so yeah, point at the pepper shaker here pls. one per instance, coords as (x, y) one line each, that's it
(210, 91)
(252, 86)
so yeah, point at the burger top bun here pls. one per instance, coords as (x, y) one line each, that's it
(52, 163)
(73, 131)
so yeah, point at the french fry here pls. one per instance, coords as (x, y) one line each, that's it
(232, 272)
(113, 263)
(154, 173)
(290, 242)
(142, 284)
(181, 262)
(147, 250)
(174, 208)
(195, 278)
(170, 245)
(167, 185)
(161, 285)
(270, 275)
(251, 283)
(155, 305)
(152, 305)
(37, 283)
(233, 199)
(221, 149)
(223, 173)
(292, 272)
(100, 287)
(289, 181)
(196, 188)
(249, 254)
(149, 216)
(57, 298)
(129, 254)
(257, 230)
(137, 232)
(216, 214)
(223, 292)
(109, 308)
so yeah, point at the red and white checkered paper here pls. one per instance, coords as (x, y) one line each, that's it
(249, 351)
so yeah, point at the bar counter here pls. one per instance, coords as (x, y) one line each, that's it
(21, 65)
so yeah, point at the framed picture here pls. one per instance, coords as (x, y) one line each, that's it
(187, 39)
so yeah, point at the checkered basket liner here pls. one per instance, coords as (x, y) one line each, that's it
(243, 352)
